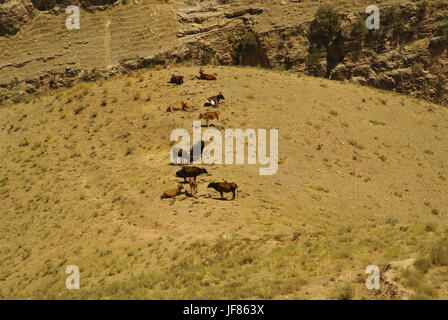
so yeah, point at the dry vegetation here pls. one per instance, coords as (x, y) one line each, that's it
(361, 181)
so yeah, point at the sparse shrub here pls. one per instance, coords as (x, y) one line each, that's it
(296, 235)
(376, 123)
(430, 227)
(79, 110)
(439, 253)
(359, 29)
(391, 221)
(3, 182)
(21, 98)
(356, 144)
(414, 279)
(206, 57)
(344, 292)
(315, 56)
(391, 17)
(129, 150)
(280, 67)
(422, 264)
(249, 40)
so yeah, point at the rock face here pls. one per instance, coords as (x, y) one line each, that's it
(408, 54)
(409, 57)
(14, 16)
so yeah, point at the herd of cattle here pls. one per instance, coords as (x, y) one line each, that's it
(191, 172)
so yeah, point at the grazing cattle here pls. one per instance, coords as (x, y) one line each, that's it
(204, 76)
(209, 116)
(176, 106)
(193, 186)
(177, 79)
(191, 154)
(187, 172)
(172, 192)
(214, 101)
(226, 187)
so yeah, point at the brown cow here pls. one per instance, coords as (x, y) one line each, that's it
(172, 192)
(226, 187)
(176, 106)
(193, 186)
(204, 76)
(209, 116)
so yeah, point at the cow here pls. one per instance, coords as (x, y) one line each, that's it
(214, 101)
(187, 172)
(209, 116)
(204, 76)
(176, 106)
(190, 155)
(226, 187)
(177, 79)
(172, 192)
(193, 186)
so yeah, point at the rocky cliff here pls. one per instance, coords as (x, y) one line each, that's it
(408, 54)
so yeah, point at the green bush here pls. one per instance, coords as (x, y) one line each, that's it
(249, 40)
(326, 23)
(206, 57)
(360, 29)
(392, 17)
(315, 56)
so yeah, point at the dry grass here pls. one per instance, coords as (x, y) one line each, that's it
(80, 184)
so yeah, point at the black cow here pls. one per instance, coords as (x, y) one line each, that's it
(187, 172)
(177, 79)
(214, 101)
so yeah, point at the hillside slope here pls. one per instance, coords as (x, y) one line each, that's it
(408, 54)
(83, 169)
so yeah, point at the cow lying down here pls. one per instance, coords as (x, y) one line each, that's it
(172, 192)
